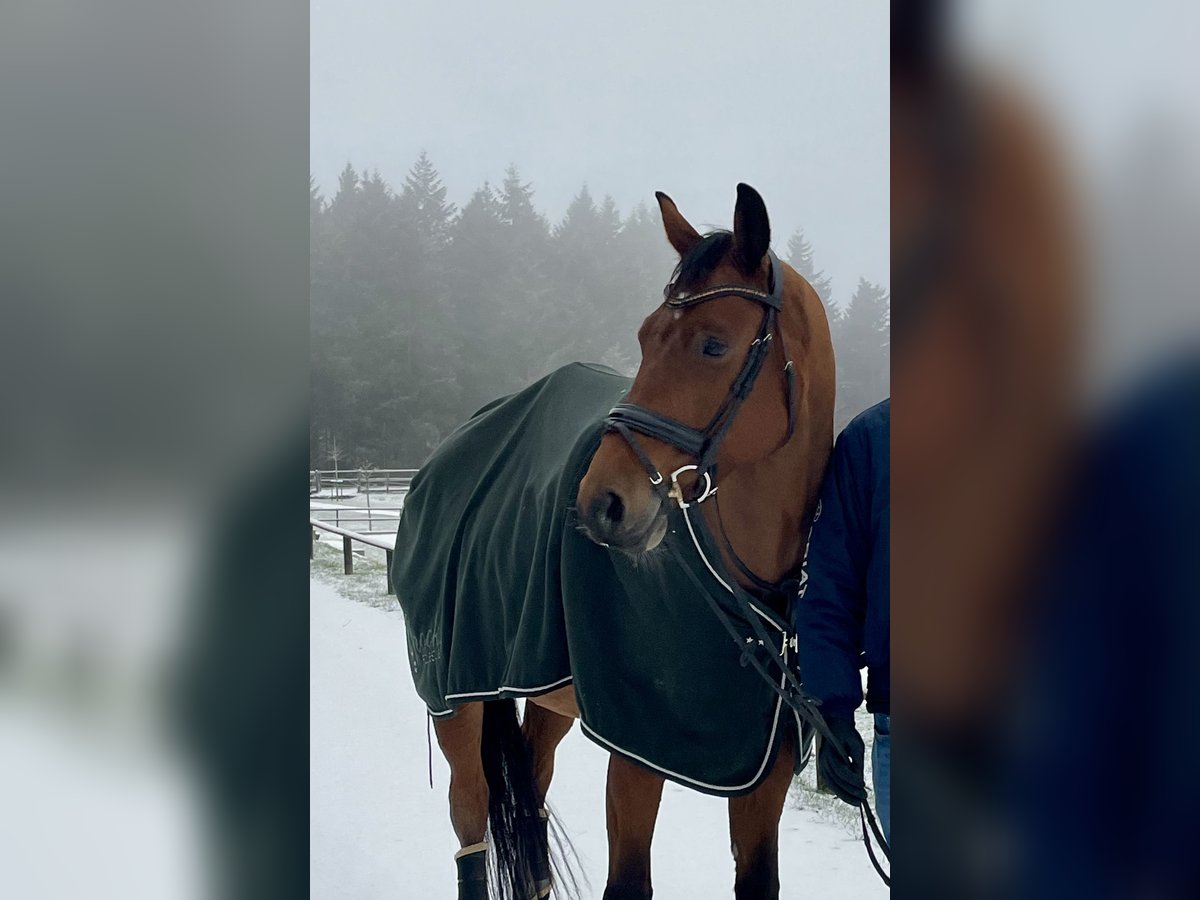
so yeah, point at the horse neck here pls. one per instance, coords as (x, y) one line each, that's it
(766, 507)
(765, 511)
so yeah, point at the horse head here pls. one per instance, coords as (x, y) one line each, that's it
(722, 382)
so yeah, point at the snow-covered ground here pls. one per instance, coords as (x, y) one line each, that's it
(377, 830)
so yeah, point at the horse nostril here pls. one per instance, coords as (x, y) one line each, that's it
(614, 512)
(605, 515)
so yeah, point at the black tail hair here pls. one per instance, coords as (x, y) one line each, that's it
(518, 839)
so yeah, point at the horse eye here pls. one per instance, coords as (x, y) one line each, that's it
(714, 347)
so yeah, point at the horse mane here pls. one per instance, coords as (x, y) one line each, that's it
(698, 263)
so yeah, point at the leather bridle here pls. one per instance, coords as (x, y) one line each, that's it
(703, 444)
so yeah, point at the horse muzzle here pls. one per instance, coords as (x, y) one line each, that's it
(608, 519)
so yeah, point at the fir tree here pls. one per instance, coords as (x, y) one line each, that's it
(516, 204)
(609, 218)
(481, 214)
(345, 197)
(423, 198)
(580, 222)
(642, 261)
(479, 305)
(316, 202)
(421, 314)
(863, 349)
(800, 258)
(347, 184)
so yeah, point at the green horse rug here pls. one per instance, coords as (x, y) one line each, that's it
(503, 596)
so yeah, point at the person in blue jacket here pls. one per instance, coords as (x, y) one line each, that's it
(842, 615)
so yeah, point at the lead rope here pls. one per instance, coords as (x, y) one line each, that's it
(795, 698)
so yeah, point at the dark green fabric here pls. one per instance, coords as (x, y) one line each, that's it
(502, 595)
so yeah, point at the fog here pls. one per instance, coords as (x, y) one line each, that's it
(628, 97)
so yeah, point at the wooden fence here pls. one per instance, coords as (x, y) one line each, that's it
(346, 482)
(372, 525)
(363, 519)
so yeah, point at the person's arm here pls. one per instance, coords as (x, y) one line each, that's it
(831, 607)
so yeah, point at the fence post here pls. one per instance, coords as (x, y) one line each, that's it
(388, 555)
(347, 556)
(312, 542)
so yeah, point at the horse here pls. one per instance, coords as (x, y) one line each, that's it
(741, 343)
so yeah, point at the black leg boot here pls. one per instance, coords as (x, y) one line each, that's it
(472, 872)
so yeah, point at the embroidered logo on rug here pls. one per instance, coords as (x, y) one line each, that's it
(424, 649)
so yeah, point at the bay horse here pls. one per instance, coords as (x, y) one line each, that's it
(741, 343)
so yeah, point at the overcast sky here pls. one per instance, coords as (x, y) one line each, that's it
(630, 97)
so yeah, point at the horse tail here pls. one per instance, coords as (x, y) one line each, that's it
(520, 847)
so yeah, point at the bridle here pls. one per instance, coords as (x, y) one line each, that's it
(703, 444)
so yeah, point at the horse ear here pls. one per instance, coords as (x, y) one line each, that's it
(680, 233)
(751, 230)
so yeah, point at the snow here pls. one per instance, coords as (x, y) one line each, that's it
(377, 830)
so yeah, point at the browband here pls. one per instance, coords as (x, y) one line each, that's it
(773, 298)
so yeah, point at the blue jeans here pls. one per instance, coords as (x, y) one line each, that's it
(881, 770)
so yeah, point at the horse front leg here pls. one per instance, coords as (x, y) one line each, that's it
(459, 737)
(633, 797)
(754, 831)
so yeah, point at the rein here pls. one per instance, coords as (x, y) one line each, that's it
(789, 689)
(626, 419)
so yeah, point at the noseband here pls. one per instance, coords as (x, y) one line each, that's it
(703, 444)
